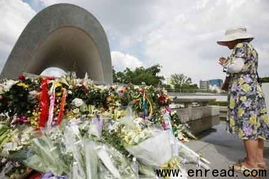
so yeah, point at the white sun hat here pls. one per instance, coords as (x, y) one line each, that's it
(235, 34)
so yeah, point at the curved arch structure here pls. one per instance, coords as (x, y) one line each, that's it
(64, 36)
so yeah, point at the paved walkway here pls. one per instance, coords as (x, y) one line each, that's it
(222, 149)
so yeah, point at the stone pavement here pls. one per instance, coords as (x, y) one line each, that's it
(222, 149)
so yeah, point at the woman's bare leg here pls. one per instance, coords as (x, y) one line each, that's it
(251, 147)
(260, 151)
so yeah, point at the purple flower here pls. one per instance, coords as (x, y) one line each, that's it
(247, 130)
(47, 175)
(234, 113)
(50, 175)
(235, 87)
(247, 79)
(248, 103)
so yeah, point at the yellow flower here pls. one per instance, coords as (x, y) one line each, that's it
(23, 85)
(91, 115)
(246, 87)
(241, 112)
(34, 119)
(265, 118)
(232, 103)
(257, 126)
(253, 120)
(246, 66)
(254, 53)
(241, 81)
(76, 110)
(70, 115)
(264, 110)
(119, 113)
(232, 122)
(259, 90)
(243, 98)
(58, 84)
(171, 164)
(240, 133)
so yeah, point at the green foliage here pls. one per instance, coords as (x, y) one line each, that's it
(16, 101)
(180, 81)
(218, 103)
(140, 75)
(112, 138)
(166, 86)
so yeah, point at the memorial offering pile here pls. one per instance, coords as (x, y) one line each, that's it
(72, 128)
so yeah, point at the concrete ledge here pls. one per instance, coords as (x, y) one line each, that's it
(189, 101)
(199, 125)
(223, 111)
(195, 113)
(199, 118)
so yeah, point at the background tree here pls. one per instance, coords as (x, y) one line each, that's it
(180, 81)
(139, 75)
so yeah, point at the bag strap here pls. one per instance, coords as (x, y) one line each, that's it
(258, 78)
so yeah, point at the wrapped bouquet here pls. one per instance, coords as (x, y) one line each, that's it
(72, 128)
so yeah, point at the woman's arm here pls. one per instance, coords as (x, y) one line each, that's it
(235, 63)
(235, 66)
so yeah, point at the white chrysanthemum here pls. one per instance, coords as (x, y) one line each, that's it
(77, 102)
(7, 85)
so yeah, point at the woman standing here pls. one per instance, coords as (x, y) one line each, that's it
(247, 116)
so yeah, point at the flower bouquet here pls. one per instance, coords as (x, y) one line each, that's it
(69, 127)
(155, 148)
(67, 151)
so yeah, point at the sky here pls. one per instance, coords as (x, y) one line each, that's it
(180, 35)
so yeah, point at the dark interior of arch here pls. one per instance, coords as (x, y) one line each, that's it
(70, 49)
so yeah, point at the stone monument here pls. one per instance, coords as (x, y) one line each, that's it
(64, 36)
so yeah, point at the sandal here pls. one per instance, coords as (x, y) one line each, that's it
(240, 167)
(259, 165)
(262, 165)
(237, 163)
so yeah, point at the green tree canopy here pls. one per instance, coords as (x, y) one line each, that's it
(139, 75)
(180, 81)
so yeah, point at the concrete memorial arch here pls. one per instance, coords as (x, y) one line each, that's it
(64, 36)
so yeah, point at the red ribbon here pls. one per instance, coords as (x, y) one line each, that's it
(61, 111)
(44, 104)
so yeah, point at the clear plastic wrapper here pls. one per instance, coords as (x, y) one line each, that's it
(64, 151)
(150, 152)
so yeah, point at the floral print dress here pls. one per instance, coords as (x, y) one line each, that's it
(247, 115)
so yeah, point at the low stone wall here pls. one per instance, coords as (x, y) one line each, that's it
(200, 116)
(223, 111)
